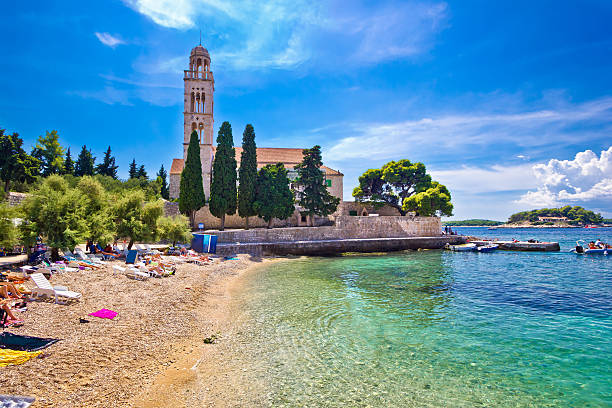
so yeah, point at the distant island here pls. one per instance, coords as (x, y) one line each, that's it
(564, 216)
(473, 223)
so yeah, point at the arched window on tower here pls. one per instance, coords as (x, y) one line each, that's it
(192, 102)
(203, 102)
(198, 67)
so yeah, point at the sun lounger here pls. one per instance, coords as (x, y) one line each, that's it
(130, 273)
(44, 288)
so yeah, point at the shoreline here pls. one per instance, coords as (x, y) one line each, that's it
(132, 360)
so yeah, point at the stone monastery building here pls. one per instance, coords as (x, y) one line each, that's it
(198, 115)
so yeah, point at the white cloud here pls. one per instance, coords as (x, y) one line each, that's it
(109, 39)
(108, 95)
(586, 180)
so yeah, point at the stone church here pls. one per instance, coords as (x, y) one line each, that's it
(198, 115)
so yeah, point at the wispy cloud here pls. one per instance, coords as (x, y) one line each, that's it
(108, 95)
(109, 39)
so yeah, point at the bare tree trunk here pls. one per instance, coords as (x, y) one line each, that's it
(192, 219)
(222, 222)
(270, 223)
(55, 254)
(246, 222)
(6, 186)
(130, 244)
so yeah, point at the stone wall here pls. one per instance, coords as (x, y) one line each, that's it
(15, 199)
(347, 227)
(346, 207)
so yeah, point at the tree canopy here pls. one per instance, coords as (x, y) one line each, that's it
(312, 194)
(191, 195)
(50, 153)
(247, 175)
(273, 197)
(85, 163)
(133, 172)
(15, 164)
(575, 215)
(162, 178)
(435, 201)
(8, 231)
(142, 173)
(174, 229)
(68, 163)
(108, 166)
(223, 194)
(392, 184)
(136, 219)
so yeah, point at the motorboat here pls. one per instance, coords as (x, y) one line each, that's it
(487, 248)
(461, 247)
(584, 249)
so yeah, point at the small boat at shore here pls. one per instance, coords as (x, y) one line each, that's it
(461, 247)
(487, 248)
(581, 249)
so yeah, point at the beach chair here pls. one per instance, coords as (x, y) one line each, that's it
(131, 272)
(150, 250)
(44, 288)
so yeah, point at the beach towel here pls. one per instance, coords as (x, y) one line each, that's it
(24, 343)
(15, 401)
(13, 357)
(104, 314)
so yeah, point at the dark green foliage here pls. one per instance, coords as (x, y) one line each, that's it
(68, 163)
(392, 184)
(133, 169)
(108, 166)
(273, 197)
(312, 194)
(8, 231)
(223, 195)
(575, 215)
(50, 154)
(162, 178)
(435, 201)
(473, 223)
(15, 164)
(85, 163)
(136, 219)
(247, 175)
(191, 196)
(142, 173)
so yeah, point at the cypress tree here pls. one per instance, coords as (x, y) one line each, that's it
(107, 167)
(312, 192)
(223, 187)
(68, 163)
(273, 197)
(191, 196)
(142, 173)
(162, 176)
(247, 175)
(85, 163)
(133, 169)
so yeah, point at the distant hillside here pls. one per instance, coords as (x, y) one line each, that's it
(565, 215)
(472, 223)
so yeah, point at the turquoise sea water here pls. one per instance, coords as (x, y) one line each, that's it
(433, 328)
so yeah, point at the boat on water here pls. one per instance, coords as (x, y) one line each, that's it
(461, 247)
(487, 248)
(591, 226)
(588, 250)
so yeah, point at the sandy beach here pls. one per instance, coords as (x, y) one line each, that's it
(151, 355)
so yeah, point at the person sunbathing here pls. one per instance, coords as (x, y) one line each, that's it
(9, 291)
(5, 305)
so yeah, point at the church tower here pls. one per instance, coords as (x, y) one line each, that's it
(198, 111)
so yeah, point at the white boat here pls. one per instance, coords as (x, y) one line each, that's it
(583, 249)
(461, 247)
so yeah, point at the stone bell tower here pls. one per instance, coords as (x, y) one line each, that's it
(198, 112)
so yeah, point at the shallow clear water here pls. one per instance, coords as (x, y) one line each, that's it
(431, 328)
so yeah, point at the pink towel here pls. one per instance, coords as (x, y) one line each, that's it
(104, 314)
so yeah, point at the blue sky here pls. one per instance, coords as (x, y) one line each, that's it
(508, 103)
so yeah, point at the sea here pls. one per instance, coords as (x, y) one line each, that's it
(432, 328)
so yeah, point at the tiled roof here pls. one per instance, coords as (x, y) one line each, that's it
(265, 155)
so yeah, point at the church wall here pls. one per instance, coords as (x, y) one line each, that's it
(175, 183)
(336, 188)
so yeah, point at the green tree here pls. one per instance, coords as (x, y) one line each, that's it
(68, 163)
(8, 231)
(435, 201)
(311, 192)
(133, 169)
(392, 184)
(50, 154)
(191, 195)
(174, 229)
(56, 212)
(247, 175)
(85, 163)
(223, 195)
(142, 173)
(15, 164)
(273, 197)
(97, 204)
(108, 166)
(135, 219)
(162, 178)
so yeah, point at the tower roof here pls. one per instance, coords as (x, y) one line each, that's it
(200, 51)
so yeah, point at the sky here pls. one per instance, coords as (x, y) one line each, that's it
(509, 104)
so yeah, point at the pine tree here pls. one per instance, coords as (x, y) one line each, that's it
(133, 169)
(191, 196)
(85, 163)
(50, 154)
(312, 194)
(15, 163)
(108, 166)
(142, 173)
(68, 163)
(162, 176)
(247, 175)
(273, 197)
(223, 195)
